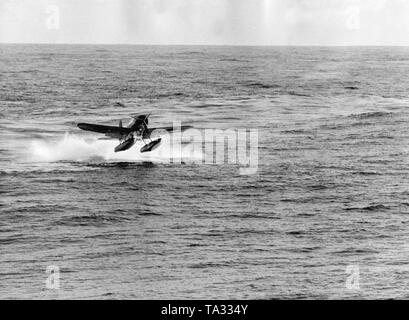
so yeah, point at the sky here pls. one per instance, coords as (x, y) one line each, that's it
(209, 22)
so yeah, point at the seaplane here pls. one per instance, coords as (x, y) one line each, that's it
(136, 130)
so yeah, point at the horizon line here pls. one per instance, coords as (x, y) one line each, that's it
(204, 44)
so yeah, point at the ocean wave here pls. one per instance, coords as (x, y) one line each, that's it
(88, 220)
(294, 93)
(121, 164)
(148, 213)
(372, 207)
(204, 265)
(77, 148)
(171, 94)
(46, 170)
(251, 216)
(231, 60)
(369, 115)
(296, 131)
(351, 251)
(366, 173)
(256, 84)
(296, 233)
(205, 105)
(120, 104)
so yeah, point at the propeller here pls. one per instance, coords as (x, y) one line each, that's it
(136, 116)
(145, 121)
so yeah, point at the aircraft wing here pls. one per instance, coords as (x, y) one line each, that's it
(110, 131)
(170, 129)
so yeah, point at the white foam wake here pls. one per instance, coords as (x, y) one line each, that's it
(77, 148)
